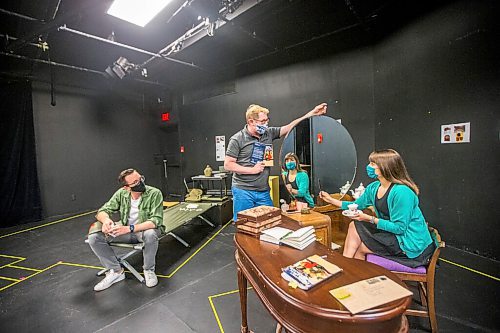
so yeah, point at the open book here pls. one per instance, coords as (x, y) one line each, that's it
(369, 293)
(298, 239)
(310, 271)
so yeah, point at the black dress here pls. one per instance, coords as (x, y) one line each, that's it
(295, 187)
(385, 244)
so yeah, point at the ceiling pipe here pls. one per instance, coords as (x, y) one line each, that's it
(82, 9)
(171, 48)
(205, 28)
(154, 55)
(43, 46)
(20, 16)
(83, 69)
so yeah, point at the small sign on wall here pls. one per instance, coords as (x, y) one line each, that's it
(220, 148)
(455, 133)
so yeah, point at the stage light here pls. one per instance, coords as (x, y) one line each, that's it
(137, 12)
(120, 68)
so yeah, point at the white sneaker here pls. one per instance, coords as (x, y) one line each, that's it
(111, 278)
(151, 279)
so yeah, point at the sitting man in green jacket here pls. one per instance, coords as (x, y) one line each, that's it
(141, 220)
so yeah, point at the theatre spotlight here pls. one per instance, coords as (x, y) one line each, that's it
(120, 68)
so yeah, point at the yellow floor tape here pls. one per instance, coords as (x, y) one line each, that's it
(47, 224)
(214, 310)
(38, 271)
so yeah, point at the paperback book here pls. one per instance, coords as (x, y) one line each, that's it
(262, 153)
(298, 239)
(308, 272)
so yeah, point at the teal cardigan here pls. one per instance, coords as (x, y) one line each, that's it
(407, 221)
(302, 180)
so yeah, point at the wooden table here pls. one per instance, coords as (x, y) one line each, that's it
(315, 310)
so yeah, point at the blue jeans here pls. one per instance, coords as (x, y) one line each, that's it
(99, 244)
(245, 199)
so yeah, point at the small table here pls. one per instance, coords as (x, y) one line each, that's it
(221, 178)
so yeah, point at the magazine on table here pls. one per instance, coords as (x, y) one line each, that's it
(298, 239)
(310, 271)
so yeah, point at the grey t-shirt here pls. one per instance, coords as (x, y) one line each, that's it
(240, 146)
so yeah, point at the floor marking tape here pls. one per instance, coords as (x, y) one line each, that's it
(214, 310)
(47, 224)
(470, 269)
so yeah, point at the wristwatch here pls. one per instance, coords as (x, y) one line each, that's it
(132, 227)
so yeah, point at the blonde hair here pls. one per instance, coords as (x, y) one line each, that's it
(290, 156)
(253, 111)
(392, 167)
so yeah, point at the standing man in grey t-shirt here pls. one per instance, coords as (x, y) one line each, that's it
(250, 178)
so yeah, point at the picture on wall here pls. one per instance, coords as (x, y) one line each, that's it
(220, 148)
(455, 133)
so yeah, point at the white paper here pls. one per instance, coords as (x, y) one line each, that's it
(369, 293)
(220, 148)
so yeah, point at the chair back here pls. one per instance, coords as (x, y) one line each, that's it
(440, 244)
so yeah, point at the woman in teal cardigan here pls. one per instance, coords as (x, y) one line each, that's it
(399, 231)
(297, 180)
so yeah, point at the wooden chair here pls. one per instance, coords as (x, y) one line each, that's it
(423, 276)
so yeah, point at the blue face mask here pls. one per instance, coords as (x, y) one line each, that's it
(370, 171)
(261, 129)
(290, 165)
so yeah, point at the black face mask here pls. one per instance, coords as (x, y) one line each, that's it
(141, 187)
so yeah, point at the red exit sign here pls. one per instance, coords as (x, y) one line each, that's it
(165, 116)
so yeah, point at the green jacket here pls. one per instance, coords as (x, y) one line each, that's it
(302, 181)
(407, 221)
(150, 207)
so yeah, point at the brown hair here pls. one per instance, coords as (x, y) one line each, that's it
(289, 156)
(253, 111)
(392, 167)
(123, 174)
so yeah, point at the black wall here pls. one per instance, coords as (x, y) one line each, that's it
(288, 93)
(444, 69)
(439, 69)
(87, 139)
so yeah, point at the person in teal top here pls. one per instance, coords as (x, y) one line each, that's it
(297, 180)
(398, 231)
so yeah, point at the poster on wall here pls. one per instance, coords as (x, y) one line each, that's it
(455, 133)
(220, 148)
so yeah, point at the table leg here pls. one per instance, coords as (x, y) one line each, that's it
(242, 285)
(405, 327)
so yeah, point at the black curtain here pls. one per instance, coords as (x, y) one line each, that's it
(19, 188)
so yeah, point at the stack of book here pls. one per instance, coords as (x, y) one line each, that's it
(298, 239)
(254, 220)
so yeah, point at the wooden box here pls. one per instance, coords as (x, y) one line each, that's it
(320, 222)
(253, 221)
(250, 227)
(257, 215)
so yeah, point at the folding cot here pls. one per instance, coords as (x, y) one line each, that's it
(173, 217)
